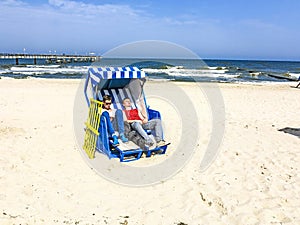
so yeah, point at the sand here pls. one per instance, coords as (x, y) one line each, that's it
(254, 179)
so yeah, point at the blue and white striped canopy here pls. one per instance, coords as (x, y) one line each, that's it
(97, 74)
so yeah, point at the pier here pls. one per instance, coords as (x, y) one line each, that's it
(51, 58)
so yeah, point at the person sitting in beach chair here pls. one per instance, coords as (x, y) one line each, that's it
(135, 137)
(140, 123)
(114, 120)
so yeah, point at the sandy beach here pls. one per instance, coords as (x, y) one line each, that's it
(254, 179)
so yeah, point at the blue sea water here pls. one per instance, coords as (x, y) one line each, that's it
(207, 70)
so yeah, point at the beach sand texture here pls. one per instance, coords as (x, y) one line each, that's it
(254, 179)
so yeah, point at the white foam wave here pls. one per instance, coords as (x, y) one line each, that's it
(295, 75)
(54, 69)
(43, 66)
(174, 71)
(217, 67)
(3, 71)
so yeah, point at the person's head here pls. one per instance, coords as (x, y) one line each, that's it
(106, 101)
(126, 102)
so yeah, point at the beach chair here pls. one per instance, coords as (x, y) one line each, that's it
(119, 83)
(298, 83)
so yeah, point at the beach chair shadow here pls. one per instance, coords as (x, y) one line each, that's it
(292, 131)
(298, 85)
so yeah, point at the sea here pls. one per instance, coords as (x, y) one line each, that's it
(205, 70)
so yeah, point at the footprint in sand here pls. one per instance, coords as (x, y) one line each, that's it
(5, 131)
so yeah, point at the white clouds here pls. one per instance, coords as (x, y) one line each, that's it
(58, 3)
(173, 21)
(66, 13)
(84, 9)
(70, 24)
(12, 3)
(65, 24)
(260, 25)
(64, 8)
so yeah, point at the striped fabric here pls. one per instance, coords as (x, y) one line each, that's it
(97, 74)
(117, 97)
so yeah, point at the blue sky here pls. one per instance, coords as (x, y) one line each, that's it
(235, 29)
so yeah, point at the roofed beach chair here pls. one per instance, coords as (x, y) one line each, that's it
(119, 83)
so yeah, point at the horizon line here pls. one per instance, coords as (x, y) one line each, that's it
(208, 58)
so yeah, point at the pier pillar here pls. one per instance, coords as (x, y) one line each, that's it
(17, 61)
(34, 61)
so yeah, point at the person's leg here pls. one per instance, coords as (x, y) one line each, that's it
(138, 127)
(155, 124)
(110, 128)
(115, 125)
(119, 121)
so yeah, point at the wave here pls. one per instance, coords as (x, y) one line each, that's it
(171, 70)
(180, 73)
(50, 71)
(218, 74)
(295, 75)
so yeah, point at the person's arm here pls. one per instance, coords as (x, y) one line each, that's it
(144, 119)
(125, 117)
(142, 110)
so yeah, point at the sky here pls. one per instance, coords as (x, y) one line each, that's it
(212, 29)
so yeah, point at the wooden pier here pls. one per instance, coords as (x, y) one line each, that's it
(50, 58)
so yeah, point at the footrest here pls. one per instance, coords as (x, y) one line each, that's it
(128, 151)
(158, 150)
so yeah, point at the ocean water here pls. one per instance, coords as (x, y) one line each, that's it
(207, 70)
